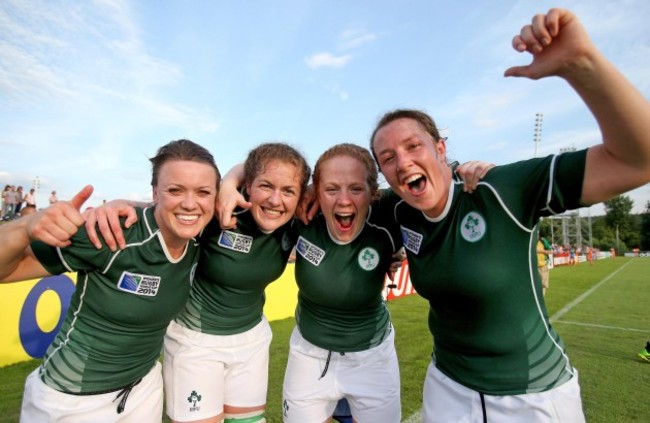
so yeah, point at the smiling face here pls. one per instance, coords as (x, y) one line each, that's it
(414, 165)
(344, 196)
(274, 193)
(184, 195)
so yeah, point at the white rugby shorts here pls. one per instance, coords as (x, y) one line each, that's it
(204, 372)
(445, 400)
(44, 404)
(368, 379)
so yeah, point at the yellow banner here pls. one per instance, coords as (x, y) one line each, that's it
(31, 312)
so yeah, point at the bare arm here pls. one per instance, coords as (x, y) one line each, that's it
(54, 226)
(560, 47)
(107, 218)
(472, 172)
(230, 198)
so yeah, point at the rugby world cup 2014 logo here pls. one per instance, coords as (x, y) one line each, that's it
(134, 283)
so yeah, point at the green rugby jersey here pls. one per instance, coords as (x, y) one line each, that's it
(340, 306)
(236, 266)
(113, 332)
(477, 266)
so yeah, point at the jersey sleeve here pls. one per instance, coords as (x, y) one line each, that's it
(540, 187)
(81, 255)
(567, 181)
(383, 214)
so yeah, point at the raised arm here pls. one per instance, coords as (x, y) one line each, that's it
(230, 198)
(53, 225)
(561, 47)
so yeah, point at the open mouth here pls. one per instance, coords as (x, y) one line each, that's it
(416, 184)
(344, 220)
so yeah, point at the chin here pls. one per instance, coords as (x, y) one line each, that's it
(270, 226)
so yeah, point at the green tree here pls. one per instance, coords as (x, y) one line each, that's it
(604, 237)
(618, 217)
(645, 228)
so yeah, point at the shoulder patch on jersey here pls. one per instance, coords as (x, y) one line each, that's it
(411, 239)
(236, 242)
(309, 251)
(368, 258)
(473, 227)
(134, 283)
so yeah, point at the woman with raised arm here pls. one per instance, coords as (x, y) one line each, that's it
(103, 364)
(496, 355)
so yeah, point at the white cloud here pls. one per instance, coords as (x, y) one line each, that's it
(339, 92)
(327, 60)
(354, 38)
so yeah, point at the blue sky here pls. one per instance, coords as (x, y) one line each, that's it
(90, 89)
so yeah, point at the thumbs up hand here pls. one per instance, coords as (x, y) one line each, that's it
(56, 224)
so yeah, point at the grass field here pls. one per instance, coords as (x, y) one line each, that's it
(601, 312)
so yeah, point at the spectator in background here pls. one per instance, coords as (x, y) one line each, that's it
(19, 200)
(10, 202)
(3, 211)
(590, 255)
(30, 203)
(544, 252)
(53, 198)
(572, 255)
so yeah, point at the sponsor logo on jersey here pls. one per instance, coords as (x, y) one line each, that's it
(236, 242)
(194, 399)
(368, 258)
(309, 251)
(146, 285)
(472, 227)
(412, 240)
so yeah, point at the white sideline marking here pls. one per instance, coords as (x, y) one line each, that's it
(567, 308)
(417, 416)
(568, 322)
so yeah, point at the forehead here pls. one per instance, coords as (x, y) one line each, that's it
(400, 130)
(343, 168)
(279, 170)
(186, 171)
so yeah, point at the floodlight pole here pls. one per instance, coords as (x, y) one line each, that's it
(537, 136)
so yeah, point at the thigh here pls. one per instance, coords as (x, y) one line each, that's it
(145, 401)
(308, 397)
(194, 377)
(560, 404)
(246, 380)
(372, 384)
(445, 400)
(42, 403)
